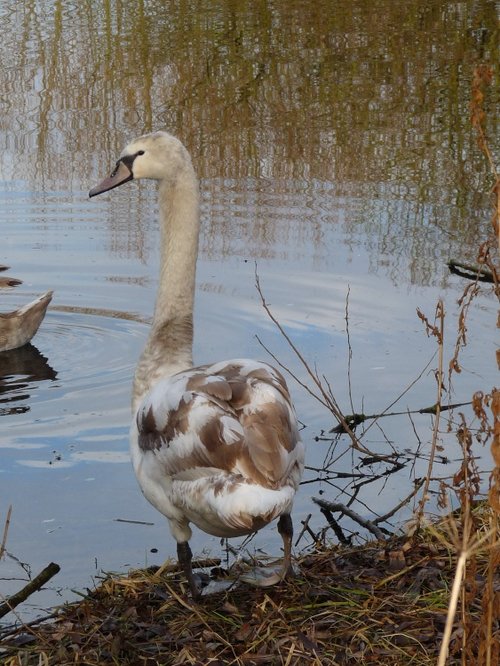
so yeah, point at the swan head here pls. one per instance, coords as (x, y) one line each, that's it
(159, 156)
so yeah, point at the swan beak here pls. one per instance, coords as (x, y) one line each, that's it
(121, 174)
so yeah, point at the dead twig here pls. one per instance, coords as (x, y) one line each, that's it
(403, 393)
(324, 397)
(389, 514)
(337, 506)
(43, 577)
(335, 526)
(349, 347)
(436, 330)
(355, 419)
(305, 528)
(5, 531)
(466, 552)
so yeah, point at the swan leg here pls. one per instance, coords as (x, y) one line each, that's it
(285, 528)
(185, 557)
(261, 577)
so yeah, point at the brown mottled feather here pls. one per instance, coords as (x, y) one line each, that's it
(228, 397)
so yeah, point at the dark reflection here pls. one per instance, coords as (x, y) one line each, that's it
(19, 369)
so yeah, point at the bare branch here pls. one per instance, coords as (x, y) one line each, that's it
(33, 586)
(337, 506)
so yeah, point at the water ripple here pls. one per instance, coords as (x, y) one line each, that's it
(70, 394)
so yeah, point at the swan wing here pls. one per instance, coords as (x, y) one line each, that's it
(233, 417)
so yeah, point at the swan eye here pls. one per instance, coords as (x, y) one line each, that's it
(140, 152)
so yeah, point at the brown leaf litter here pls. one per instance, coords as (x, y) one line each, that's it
(380, 603)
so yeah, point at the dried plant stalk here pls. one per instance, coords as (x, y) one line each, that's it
(436, 330)
(5, 531)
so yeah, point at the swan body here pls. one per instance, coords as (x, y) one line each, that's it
(215, 445)
(18, 327)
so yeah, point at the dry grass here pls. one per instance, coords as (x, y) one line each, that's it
(381, 603)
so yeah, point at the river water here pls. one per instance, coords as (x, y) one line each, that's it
(337, 161)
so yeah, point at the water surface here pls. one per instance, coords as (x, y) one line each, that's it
(336, 158)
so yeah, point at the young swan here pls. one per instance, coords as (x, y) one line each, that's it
(214, 445)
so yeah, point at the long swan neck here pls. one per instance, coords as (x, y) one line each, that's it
(169, 347)
(179, 231)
